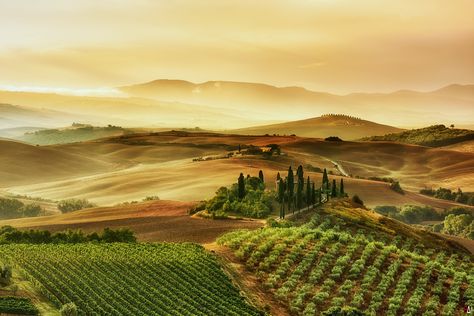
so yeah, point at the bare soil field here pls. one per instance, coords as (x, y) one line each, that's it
(151, 221)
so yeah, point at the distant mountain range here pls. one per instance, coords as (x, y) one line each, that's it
(450, 104)
(343, 126)
(226, 105)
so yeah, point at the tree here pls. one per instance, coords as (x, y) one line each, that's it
(300, 172)
(241, 185)
(334, 189)
(308, 192)
(281, 197)
(260, 175)
(299, 193)
(320, 196)
(356, 199)
(313, 194)
(341, 188)
(325, 177)
(72, 205)
(239, 148)
(290, 185)
(31, 210)
(278, 176)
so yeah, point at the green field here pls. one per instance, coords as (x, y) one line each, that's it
(324, 265)
(129, 279)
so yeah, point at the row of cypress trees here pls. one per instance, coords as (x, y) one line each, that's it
(287, 197)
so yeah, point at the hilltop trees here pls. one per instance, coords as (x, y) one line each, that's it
(13, 208)
(72, 205)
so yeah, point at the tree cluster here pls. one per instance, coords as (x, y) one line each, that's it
(10, 235)
(13, 208)
(446, 194)
(72, 205)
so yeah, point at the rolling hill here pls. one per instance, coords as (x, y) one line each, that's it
(343, 126)
(401, 108)
(433, 136)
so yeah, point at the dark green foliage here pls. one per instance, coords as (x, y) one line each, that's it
(5, 274)
(433, 136)
(10, 235)
(256, 202)
(290, 185)
(446, 194)
(241, 186)
(299, 190)
(325, 177)
(308, 192)
(333, 139)
(72, 205)
(341, 188)
(395, 186)
(281, 196)
(278, 176)
(17, 305)
(13, 208)
(410, 214)
(313, 194)
(334, 189)
(260, 175)
(356, 199)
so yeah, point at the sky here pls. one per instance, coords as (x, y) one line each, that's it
(335, 46)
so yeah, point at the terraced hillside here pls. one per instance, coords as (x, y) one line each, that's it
(129, 279)
(337, 260)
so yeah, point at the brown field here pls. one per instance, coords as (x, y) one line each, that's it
(120, 169)
(151, 221)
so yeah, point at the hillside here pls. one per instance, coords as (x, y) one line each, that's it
(401, 108)
(343, 256)
(433, 136)
(72, 134)
(343, 126)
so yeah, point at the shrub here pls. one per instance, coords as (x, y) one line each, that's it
(152, 198)
(69, 309)
(395, 186)
(5, 275)
(72, 205)
(356, 199)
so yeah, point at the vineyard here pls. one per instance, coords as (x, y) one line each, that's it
(322, 265)
(17, 305)
(129, 279)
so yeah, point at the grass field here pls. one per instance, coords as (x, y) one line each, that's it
(130, 279)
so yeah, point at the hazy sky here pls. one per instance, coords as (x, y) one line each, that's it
(336, 46)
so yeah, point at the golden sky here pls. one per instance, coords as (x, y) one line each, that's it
(336, 46)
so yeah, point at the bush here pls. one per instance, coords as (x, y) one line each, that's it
(395, 186)
(72, 205)
(5, 275)
(356, 199)
(13, 208)
(31, 210)
(69, 309)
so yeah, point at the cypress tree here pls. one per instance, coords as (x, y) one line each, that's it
(341, 188)
(334, 191)
(308, 192)
(313, 194)
(320, 196)
(241, 185)
(325, 177)
(281, 196)
(278, 176)
(260, 175)
(299, 193)
(290, 185)
(300, 172)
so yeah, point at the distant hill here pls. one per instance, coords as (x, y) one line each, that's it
(343, 126)
(433, 136)
(401, 108)
(15, 132)
(75, 133)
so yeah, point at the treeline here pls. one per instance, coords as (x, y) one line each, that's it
(11, 235)
(71, 205)
(457, 221)
(294, 194)
(13, 208)
(433, 136)
(446, 194)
